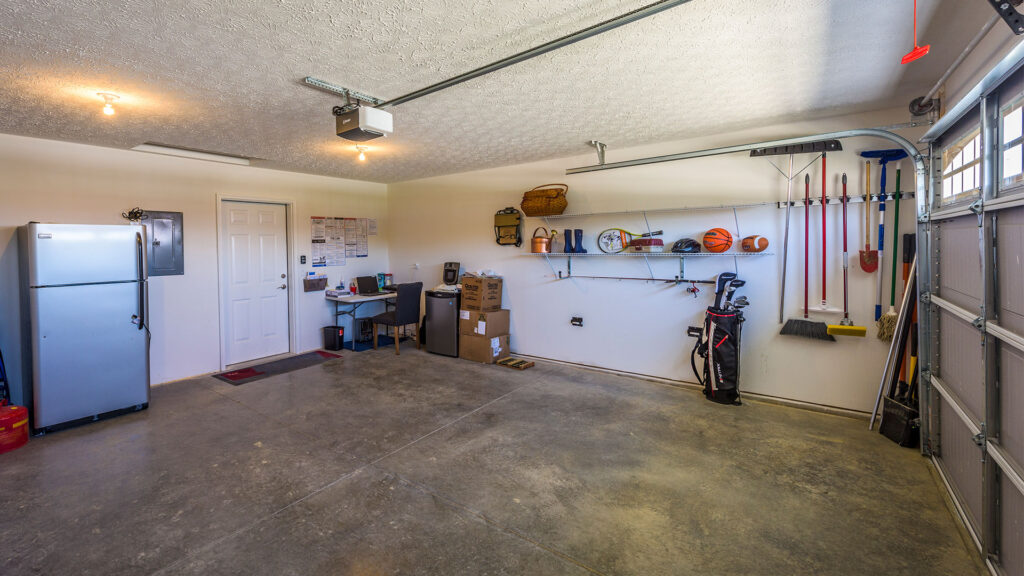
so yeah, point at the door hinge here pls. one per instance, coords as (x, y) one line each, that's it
(926, 297)
(979, 323)
(923, 218)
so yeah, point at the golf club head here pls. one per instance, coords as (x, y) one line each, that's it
(733, 286)
(724, 279)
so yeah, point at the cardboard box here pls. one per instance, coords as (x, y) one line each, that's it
(482, 293)
(475, 323)
(483, 349)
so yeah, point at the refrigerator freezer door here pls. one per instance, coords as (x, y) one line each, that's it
(88, 357)
(60, 254)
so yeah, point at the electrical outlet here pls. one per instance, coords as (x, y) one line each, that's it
(577, 321)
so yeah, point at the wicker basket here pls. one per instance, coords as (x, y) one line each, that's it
(545, 200)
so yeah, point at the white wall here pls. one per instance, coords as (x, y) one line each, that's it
(641, 327)
(53, 181)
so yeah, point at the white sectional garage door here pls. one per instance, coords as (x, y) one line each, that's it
(971, 260)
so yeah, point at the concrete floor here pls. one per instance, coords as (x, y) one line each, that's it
(419, 464)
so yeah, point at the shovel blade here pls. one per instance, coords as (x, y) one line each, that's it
(869, 260)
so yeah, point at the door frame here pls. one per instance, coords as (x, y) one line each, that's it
(289, 228)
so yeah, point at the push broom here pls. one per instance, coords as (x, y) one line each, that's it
(806, 328)
(845, 326)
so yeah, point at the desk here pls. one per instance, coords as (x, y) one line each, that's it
(355, 301)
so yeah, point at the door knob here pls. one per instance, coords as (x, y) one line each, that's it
(282, 275)
(282, 287)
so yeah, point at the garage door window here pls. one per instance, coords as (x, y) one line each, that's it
(1012, 148)
(961, 168)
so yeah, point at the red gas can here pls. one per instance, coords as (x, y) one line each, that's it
(13, 427)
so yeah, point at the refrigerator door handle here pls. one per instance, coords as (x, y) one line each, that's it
(141, 258)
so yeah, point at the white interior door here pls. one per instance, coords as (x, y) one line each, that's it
(254, 267)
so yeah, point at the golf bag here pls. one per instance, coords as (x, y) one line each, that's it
(718, 344)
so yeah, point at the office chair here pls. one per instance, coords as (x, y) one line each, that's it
(407, 311)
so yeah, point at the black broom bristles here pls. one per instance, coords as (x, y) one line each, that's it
(807, 329)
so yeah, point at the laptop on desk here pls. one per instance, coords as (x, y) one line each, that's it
(367, 285)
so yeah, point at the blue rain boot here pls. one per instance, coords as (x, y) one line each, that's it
(579, 242)
(568, 241)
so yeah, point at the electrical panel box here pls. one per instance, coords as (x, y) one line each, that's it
(166, 244)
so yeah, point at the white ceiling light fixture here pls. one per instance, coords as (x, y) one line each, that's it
(108, 98)
(192, 153)
(362, 152)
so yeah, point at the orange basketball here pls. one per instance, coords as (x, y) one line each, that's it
(717, 240)
(754, 244)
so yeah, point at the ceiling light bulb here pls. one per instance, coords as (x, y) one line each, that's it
(362, 153)
(109, 99)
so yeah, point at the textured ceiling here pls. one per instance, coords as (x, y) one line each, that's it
(225, 75)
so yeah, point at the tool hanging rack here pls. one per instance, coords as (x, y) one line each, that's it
(837, 201)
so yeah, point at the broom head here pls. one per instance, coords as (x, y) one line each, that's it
(847, 330)
(887, 326)
(807, 329)
(869, 260)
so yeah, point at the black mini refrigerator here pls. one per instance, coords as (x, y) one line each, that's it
(443, 322)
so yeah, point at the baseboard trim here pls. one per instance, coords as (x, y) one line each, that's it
(767, 399)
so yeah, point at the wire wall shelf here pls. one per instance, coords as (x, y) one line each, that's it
(651, 254)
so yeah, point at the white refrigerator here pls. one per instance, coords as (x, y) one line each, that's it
(86, 299)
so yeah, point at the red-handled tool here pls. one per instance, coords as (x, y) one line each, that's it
(807, 240)
(824, 233)
(845, 326)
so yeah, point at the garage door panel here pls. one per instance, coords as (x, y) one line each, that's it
(960, 458)
(959, 268)
(1010, 266)
(1011, 553)
(1011, 402)
(961, 362)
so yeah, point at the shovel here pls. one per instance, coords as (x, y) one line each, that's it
(868, 257)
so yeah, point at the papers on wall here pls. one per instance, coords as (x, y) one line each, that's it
(334, 240)
(371, 227)
(356, 242)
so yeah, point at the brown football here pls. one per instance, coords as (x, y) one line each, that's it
(754, 244)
